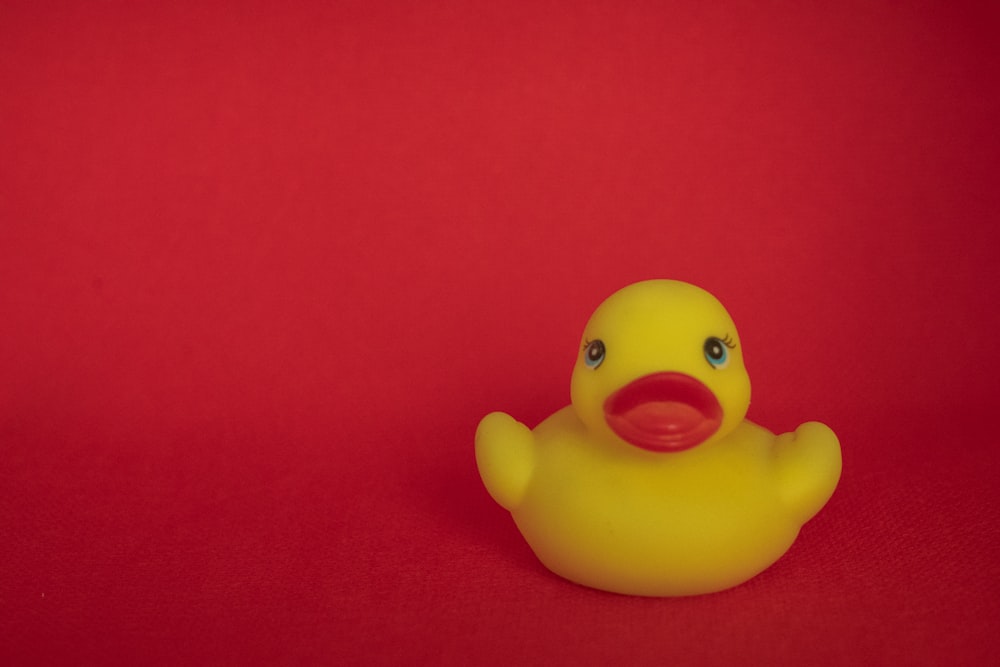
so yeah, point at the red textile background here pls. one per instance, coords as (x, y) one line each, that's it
(264, 266)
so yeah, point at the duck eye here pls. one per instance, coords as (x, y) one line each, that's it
(593, 354)
(717, 352)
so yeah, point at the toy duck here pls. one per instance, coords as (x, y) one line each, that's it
(652, 482)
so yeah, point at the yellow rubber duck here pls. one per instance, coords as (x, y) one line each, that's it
(652, 482)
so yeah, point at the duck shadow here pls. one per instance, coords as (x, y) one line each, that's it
(450, 490)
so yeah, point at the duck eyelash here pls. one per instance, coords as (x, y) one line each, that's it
(728, 341)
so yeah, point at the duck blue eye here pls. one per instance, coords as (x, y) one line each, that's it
(593, 354)
(717, 351)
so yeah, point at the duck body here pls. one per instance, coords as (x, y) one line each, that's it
(656, 518)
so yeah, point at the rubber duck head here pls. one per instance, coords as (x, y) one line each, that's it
(660, 368)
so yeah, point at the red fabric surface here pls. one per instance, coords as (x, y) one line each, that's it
(264, 266)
